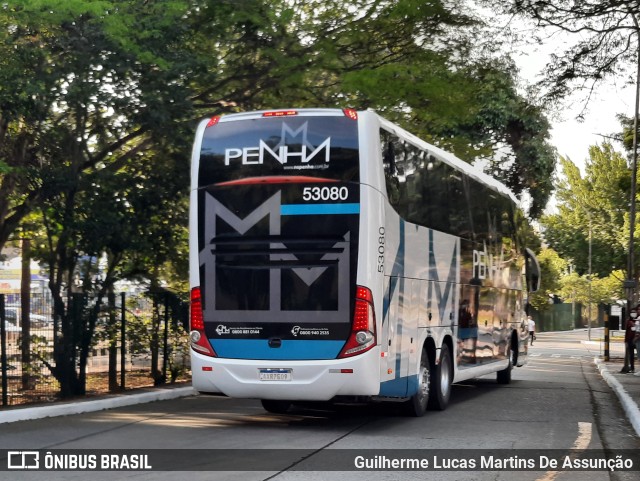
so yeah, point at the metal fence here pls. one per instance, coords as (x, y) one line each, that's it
(141, 340)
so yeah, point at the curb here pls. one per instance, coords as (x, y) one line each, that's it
(40, 412)
(629, 405)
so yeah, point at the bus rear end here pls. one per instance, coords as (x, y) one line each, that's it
(275, 220)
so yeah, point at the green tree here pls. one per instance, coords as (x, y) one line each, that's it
(591, 291)
(606, 34)
(552, 267)
(108, 106)
(595, 203)
(136, 70)
(82, 84)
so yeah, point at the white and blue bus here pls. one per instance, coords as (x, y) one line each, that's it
(335, 257)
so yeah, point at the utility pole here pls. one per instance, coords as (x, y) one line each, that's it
(590, 282)
(630, 282)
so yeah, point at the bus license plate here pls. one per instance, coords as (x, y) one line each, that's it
(275, 374)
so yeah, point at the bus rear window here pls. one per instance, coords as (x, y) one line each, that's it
(321, 147)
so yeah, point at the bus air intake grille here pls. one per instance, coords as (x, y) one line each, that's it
(276, 252)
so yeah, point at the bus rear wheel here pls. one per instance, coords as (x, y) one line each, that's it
(504, 376)
(417, 405)
(276, 407)
(441, 378)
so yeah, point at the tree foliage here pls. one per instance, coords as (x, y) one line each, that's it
(552, 268)
(593, 290)
(607, 36)
(595, 202)
(95, 159)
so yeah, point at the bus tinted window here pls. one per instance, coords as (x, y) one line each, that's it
(325, 147)
(423, 189)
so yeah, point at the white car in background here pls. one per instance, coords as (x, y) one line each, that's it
(13, 316)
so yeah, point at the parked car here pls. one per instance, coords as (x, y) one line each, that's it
(9, 326)
(13, 315)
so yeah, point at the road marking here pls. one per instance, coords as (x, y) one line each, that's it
(581, 443)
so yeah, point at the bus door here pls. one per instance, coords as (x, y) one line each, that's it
(399, 336)
(468, 325)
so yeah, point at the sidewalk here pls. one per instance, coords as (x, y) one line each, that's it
(626, 387)
(91, 405)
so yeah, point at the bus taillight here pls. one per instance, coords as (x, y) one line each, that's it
(198, 337)
(363, 327)
(351, 114)
(280, 113)
(213, 121)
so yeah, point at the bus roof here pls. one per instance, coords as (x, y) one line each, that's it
(450, 159)
(447, 157)
(283, 113)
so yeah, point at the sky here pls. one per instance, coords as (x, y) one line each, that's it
(572, 137)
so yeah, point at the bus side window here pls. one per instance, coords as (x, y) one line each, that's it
(389, 159)
(390, 173)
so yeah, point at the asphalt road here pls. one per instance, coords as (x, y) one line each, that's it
(557, 402)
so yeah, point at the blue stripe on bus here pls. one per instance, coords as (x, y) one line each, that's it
(397, 272)
(405, 386)
(400, 259)
(288, 351)
(315, 209)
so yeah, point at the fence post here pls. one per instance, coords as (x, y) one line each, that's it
(25, 321)
(123, 340)
(165, 350)
(3, 352)
(606, 334)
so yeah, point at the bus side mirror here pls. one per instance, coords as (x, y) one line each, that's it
(532, 271)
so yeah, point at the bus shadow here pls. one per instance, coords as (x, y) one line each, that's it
(326, 413)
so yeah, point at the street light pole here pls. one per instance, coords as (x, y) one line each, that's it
(630, 283)
(590, 281)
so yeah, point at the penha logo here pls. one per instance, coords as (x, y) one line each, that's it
(305, 151)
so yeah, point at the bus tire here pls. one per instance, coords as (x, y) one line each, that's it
(504, 376)
(416, 406)
(441, 379)
(275, 407)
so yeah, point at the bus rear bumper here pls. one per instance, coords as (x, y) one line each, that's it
(319, 380)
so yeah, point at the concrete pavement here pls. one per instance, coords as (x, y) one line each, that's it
(626, 387)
